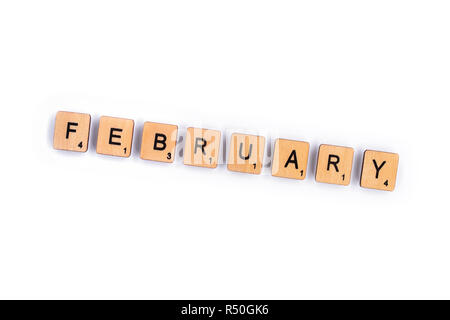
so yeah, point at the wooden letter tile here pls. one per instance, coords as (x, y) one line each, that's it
(246, 153)
(115, 136)
(159, 141)
(290, 159)
(334, 165)
(202, 147)
(379, 170)
(72, 131)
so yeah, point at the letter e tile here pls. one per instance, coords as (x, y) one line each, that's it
(115, 136)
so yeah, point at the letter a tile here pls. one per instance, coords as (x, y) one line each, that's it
(379, 170)
(202, 147)
(159, 141)
(290, 159)
(334, 165)
(115, 136)
(72, 131)
(246, 153)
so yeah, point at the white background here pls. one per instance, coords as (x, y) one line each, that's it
(364, 74)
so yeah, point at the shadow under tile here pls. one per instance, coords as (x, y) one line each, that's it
(137, 139)
(357, 166)
(313, 154)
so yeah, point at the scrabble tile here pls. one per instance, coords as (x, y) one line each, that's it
(202, 147)
(246, 153)
(290, 159)
(159, 141)
(115, 136)
(379, 170)
(334, 164)
(72, 131)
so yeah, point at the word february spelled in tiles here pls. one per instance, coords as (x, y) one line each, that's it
(246, 153)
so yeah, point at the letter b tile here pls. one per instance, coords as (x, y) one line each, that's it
(379, 170)
(115, 136)
(72, 131)
(246, 153)
(334, 165)
(159, 141)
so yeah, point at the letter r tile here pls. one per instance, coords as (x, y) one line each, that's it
(379, 170)
(246, 153)
(115, 136)
(334, 164)
(72, 131)
(202, 147)
(159, 141)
